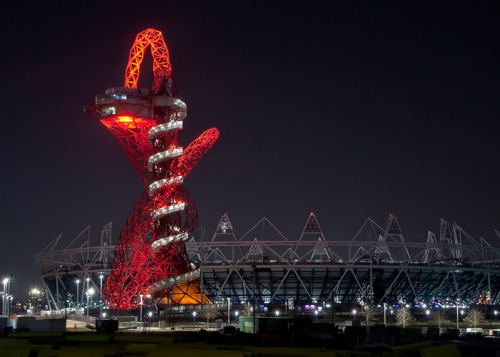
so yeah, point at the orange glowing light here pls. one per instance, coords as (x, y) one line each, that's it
(127, 122)
(124, 119)
(185, 294)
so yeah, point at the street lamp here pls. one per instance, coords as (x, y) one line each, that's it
(77, 281)
(89, 296)
(4, 305)
(495, 312)
(194, 316)
(141, 302)
(100, 279)
(35, 293)
(102, 300)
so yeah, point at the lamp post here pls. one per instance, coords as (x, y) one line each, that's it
(101, 303)
(100, 280)
(236, 313)
(4, 305)
(495, 312)
(141, 303)
(89, 296)
(35, 293)
(228, 311)
(77, 281)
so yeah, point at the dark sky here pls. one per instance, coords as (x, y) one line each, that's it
(350, 109)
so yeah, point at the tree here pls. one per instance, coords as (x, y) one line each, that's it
(209, 311)
(403, 317)
(439, 317)
(370, 316)
(474, 318)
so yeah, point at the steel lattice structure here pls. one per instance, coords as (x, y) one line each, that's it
(150, 257)
(63, 269)
(377, 266)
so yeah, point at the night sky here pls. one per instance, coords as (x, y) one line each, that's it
(349, 109)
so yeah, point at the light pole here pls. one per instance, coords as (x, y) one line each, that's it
(101, 303)
(89, 296)
(228, 311)
(496, 312)
(35, 293)
(141, 303)
(77, 281)
(100, 279)
(236, 313)
(4, 305)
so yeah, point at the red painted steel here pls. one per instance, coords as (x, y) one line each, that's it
(161, 63)
(131, 114)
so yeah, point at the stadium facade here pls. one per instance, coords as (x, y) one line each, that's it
(264, 268)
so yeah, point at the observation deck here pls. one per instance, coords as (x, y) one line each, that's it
(138, 102)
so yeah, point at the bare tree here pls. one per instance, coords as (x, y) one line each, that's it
(439, 317)
(209, 311)
(403, 317)
(370, 316)
(474, 318)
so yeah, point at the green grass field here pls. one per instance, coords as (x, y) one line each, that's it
(89, 345)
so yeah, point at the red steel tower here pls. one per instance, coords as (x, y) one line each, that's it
(150, 257)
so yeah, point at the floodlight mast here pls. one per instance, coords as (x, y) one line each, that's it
(151, 254)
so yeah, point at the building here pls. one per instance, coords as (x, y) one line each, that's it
(264, 268)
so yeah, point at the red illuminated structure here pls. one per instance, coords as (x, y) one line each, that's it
(150, 258)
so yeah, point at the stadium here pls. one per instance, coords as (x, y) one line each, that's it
(266, 269)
